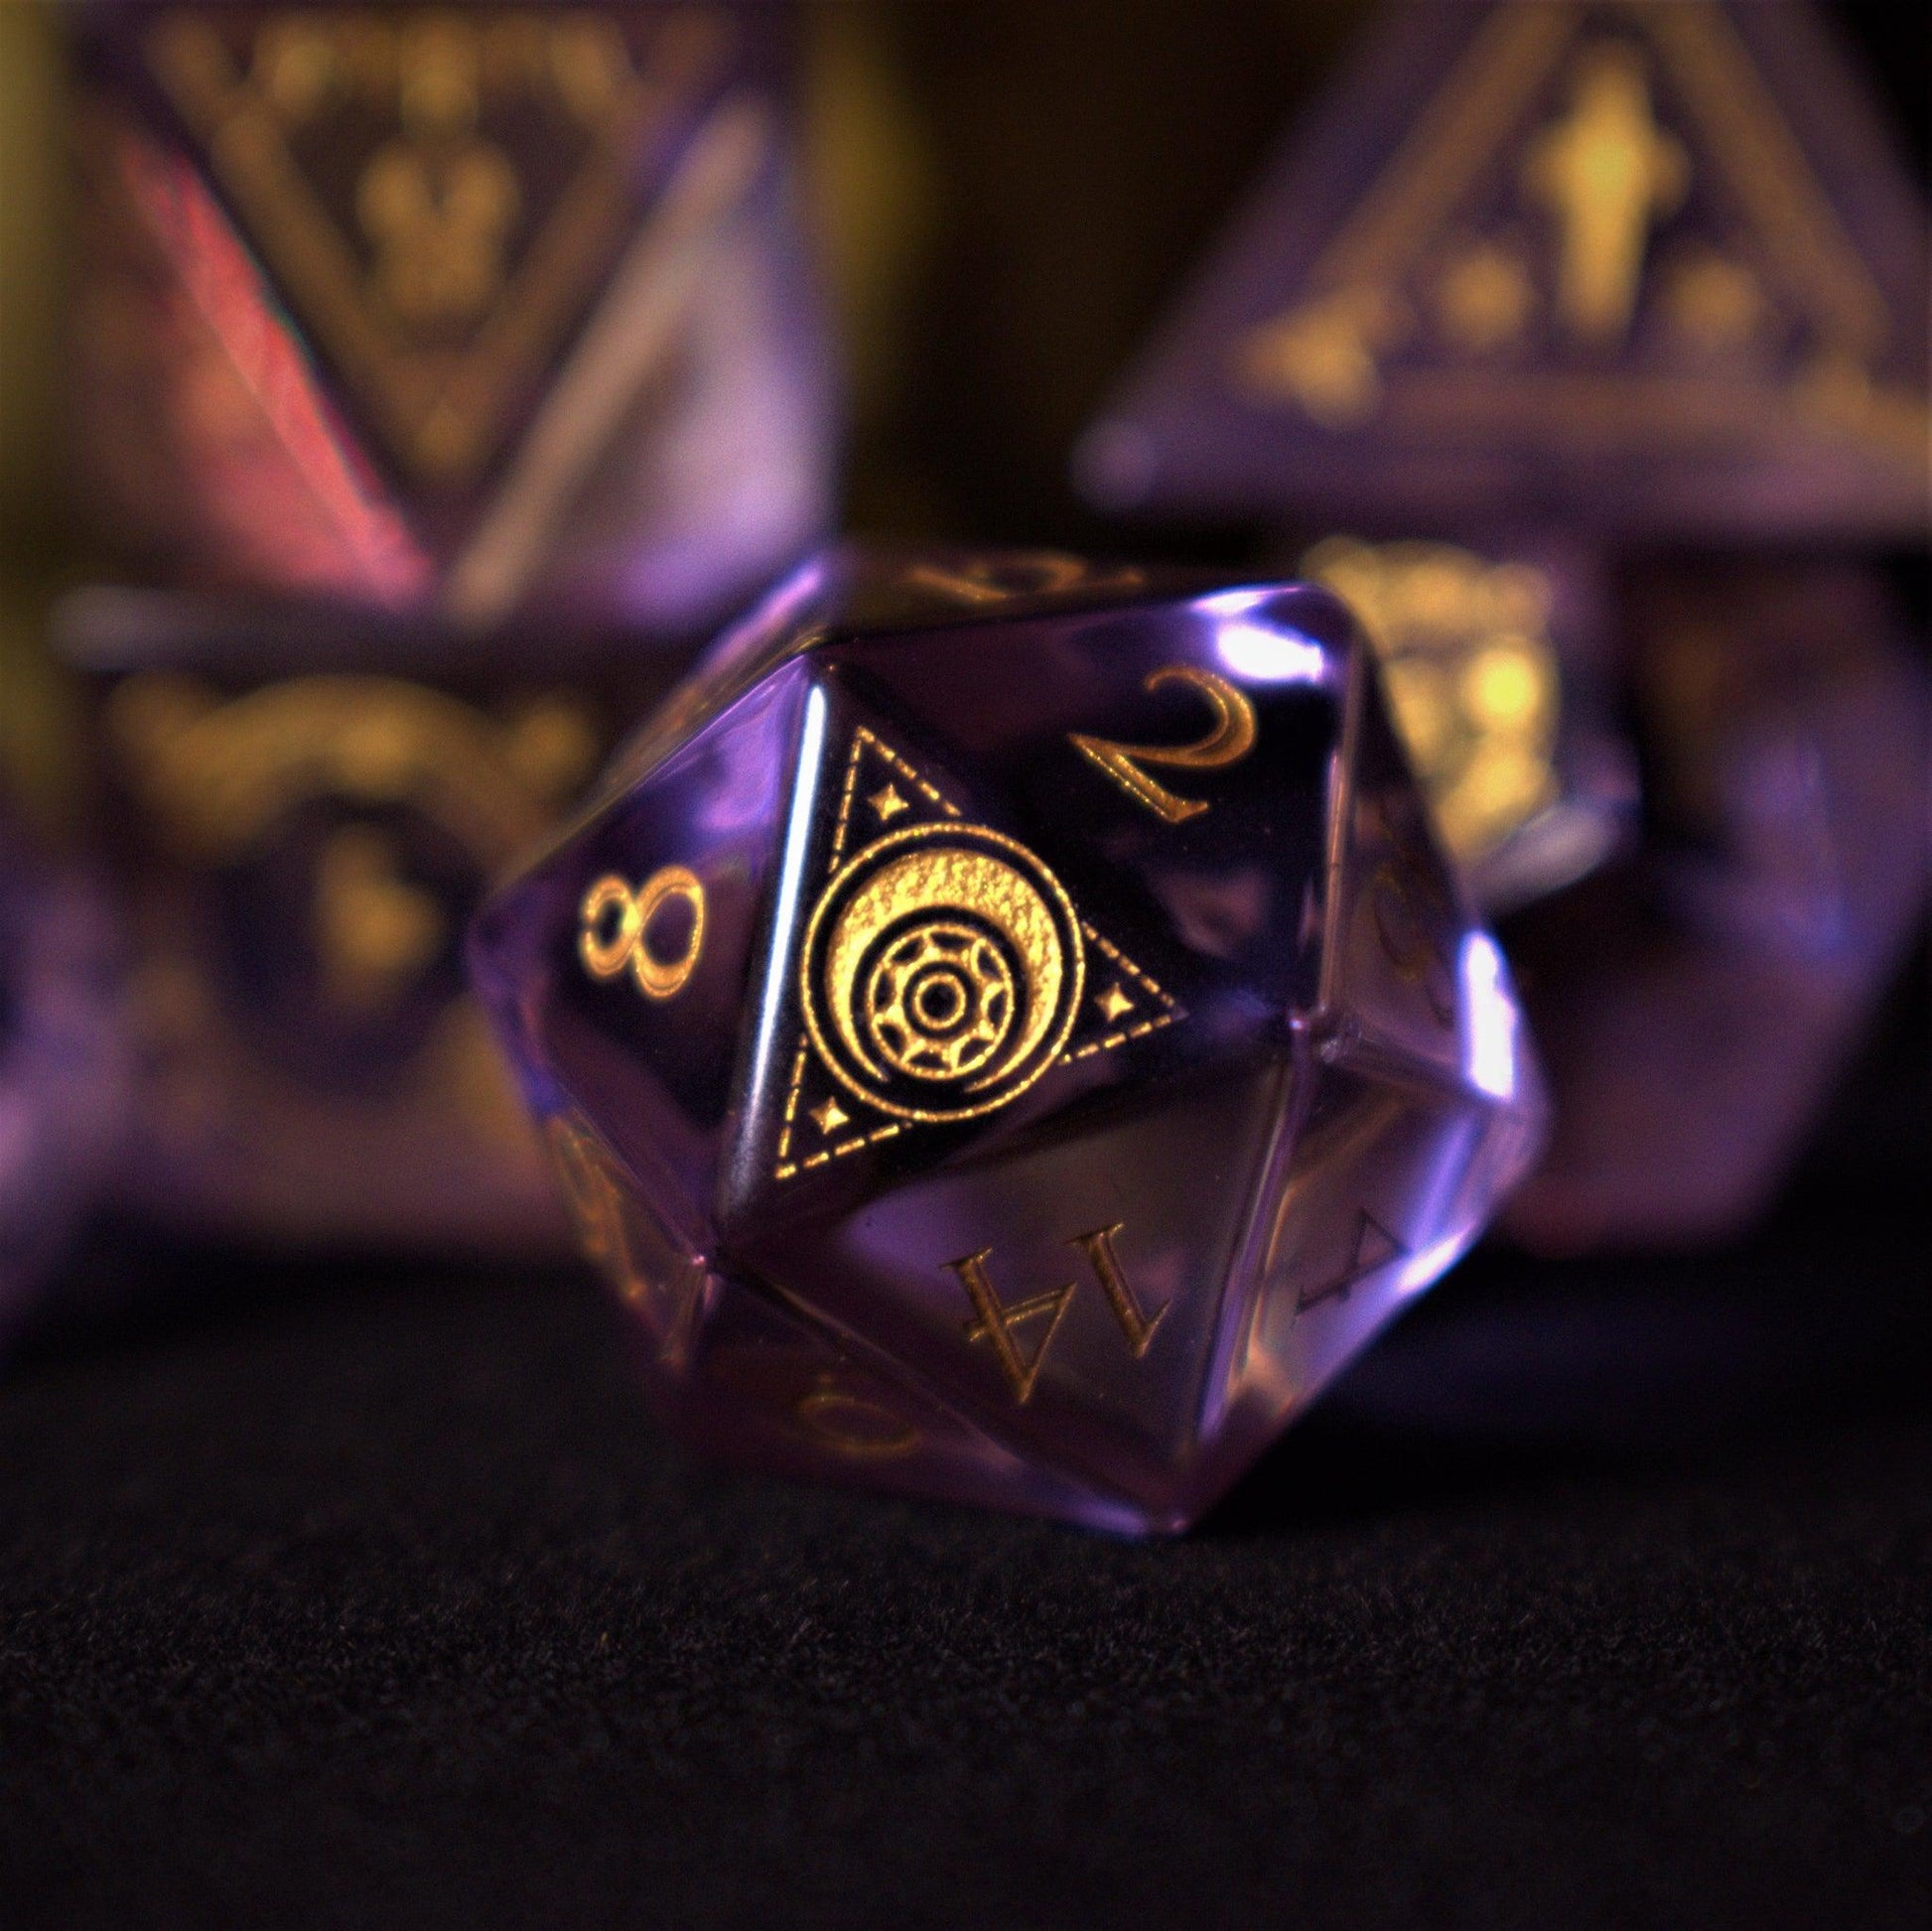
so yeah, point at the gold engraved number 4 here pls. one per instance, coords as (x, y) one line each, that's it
(1228, 740)
(997, 1320)
(614, 930)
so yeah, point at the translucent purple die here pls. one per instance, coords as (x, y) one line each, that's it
(1009, 1032)
(453, 312)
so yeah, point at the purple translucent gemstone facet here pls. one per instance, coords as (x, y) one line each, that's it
(1008, 1031)
(1695, 1007)
(63, 1071)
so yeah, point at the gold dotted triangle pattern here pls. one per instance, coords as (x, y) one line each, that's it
(823, 1121)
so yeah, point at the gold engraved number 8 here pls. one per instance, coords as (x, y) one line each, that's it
(1228, 741)
(610, 945)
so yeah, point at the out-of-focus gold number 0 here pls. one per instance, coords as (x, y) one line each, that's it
(614, 930)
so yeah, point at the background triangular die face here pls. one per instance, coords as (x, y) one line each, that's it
(438, 195)
(770, 1386)
(303, 512)
(1653, 260)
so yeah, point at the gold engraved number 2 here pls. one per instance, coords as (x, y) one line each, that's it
(1229, 739)
(614, 929)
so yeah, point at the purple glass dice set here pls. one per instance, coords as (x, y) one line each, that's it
(1011, 1028)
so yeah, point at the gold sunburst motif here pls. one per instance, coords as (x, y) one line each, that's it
(944, 972)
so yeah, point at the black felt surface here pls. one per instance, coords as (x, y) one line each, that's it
(1600, 1595)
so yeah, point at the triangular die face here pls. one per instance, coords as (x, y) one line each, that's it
(1633, 238)
(622, 964)
(941, 970)
(438, 193)
(849, 590)
(1387, 1180)
(300, 514)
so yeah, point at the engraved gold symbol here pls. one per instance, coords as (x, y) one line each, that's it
(374, 931)
(852, 1424)
(1608, 173)
(614, 930)
(1228, 740)
(437, 203)
(942, 973)
(1485, 296)
(1012, 574)
(1487, 281)
(1324, 356)
(997, 1321)
(228, 782)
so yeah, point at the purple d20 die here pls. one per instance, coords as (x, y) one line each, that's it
(303, 813)
(1009, 1031)
(452, 309)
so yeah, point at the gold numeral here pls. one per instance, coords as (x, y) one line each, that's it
(997, 1320)
(614, 931)
(1229, 739)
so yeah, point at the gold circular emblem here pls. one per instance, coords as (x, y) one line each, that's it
(942, 971)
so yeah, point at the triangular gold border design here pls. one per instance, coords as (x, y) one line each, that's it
(443, 415)
(867, 744)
